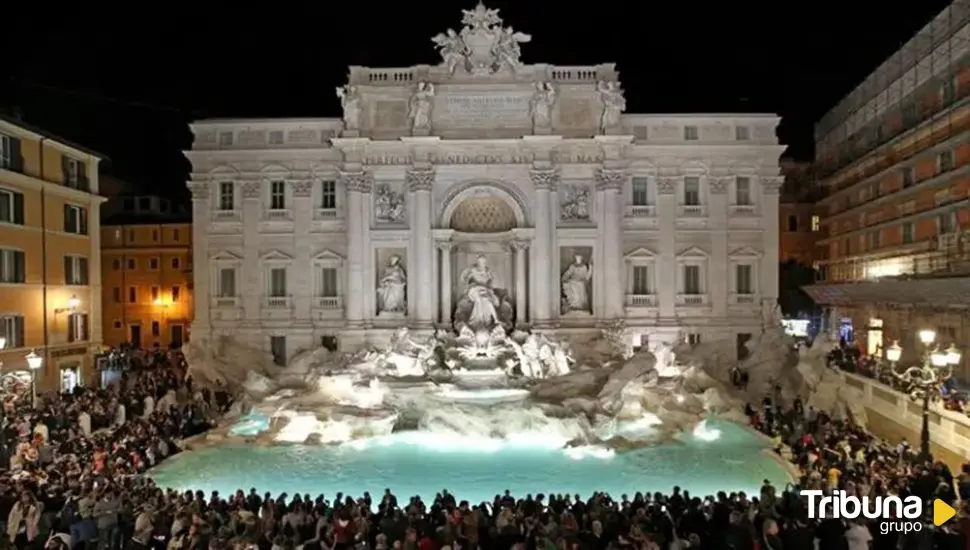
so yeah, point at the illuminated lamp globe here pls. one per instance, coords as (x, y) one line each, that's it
(927, 336)
(953, 355)
(894, 352)
(34, 361)
(3, 342)
(938, 359)
(73, 302)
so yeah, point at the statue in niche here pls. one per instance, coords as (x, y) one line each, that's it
(541, 105)
(392, 288)
(575, 285)
(613, 104)
(481, 307)
(389, 205)
(350, 101)
(575, 205)
(421, 105)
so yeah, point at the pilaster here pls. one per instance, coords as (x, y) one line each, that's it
(420, 182)
(667, 249)
(201, 278)
(251, 276)
(355, 184)
(302, 276)
(543, 293)
(770, 187)
(609, 183)
(446, 282)
(718, 274)
(521, 283)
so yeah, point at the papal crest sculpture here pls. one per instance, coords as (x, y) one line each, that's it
(483, 46)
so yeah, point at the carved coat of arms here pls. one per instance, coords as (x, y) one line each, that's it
(483, 46)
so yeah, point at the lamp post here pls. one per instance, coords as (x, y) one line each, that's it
(936, 368)
(34, 362)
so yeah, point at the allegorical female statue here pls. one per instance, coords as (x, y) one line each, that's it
(481, 306)
(392, 288)
(575, 285)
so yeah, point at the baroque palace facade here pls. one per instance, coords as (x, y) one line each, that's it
(336, 232)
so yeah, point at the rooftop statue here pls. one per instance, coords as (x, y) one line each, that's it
(483, 46)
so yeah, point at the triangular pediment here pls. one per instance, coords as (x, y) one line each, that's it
(745, 252)
(693, 252)
(328, 256)
(225, 256)
(640, 253)
(275, 255)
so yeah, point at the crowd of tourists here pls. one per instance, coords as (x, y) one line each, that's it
(75, 463)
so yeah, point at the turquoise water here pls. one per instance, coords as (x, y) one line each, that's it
(421, 463)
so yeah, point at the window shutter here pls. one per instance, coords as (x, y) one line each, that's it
(82, 265)
(82, 176)
(18, 208)
(84, 327)
(19, 267)
(68, 270)
(16, 160)
(65, 171)
(83, 220)
(19, 341)
(67, 219)
(72, 327)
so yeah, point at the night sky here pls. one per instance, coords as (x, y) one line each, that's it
(126, 81)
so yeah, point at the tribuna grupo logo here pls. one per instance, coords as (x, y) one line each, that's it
(897, 514)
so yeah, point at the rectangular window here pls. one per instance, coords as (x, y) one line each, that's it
(75, 220)
(116, 291)
(13, 266)
(908, 233)
(176, 235)
(328, 195)
(131, 264)
(909, 176)
(792, 223)
(692, 191)
(944, 161)
(328, 282)
(132, 295)
(277, 282)
(227, 282)
(75, 175)
(277, 346)
(691, 133)
(77, 327)
(946, 223)
(156, 328)
(744, 282)
(641, 191)
(277, 195)
(227, 195)
(153, 264)
(693, 338)
(154, 294)
(176, 263)
(11, 207)
(75, 270)
(12, 328)
(176, 294)
(816, 223)
(742, 191)
(116, 264)
(641, 280)
(692, 279)
(6, 152)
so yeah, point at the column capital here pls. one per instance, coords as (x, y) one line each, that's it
(251, 189)
(302, 188)
(420, 179)
(445, 246)
(667, 186)
(771, 185)
(544, 178)
(718, 185)
(609, 178)
(519, 246)
(361, 182)
(199, 190)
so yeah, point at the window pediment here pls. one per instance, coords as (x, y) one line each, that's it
(328, 258)
(745, 253)
(640, 254)
(692, 253)
(275, 172)
(225, 256)
(275, 255)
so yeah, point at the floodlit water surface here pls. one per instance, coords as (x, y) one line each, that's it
(423, 463)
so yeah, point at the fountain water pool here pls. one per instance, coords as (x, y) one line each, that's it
(423, 463)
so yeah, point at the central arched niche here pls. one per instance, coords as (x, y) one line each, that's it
(483, 214)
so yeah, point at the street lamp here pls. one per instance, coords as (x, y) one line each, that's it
(34, 362)
(72, 304)
(924, 379)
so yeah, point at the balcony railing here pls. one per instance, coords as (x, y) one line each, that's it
(225, 302)
(693, 211)
(326, 214)
(277, 302)
(641, 300)
(328, 302)
(744, 299)
(692, 300)
(641, 211)
(279, 215)
(226, 215)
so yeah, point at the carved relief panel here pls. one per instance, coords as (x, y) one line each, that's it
(390, 203)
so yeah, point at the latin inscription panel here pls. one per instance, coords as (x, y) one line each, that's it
(479, 110)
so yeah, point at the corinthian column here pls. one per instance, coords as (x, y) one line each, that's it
(544, 292)
(422, 268)
(355, 184)
(609, 182)
(521, 316)
(446, 283)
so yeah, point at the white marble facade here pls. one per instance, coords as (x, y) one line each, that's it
(672, 220)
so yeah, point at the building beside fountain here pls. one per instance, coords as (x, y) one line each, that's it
(483, 192)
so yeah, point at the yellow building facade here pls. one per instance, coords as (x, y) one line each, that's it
(50, 259)
(147, 282)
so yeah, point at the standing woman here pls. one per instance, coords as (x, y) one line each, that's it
(22, 524)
